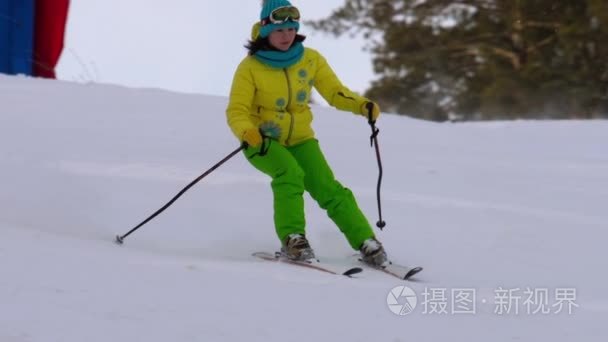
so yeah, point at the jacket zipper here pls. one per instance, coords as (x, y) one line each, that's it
(286, 108)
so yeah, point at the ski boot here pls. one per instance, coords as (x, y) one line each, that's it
(373, 254)
(297, 248)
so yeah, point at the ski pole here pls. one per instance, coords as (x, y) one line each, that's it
(120, 238)
(374, 142)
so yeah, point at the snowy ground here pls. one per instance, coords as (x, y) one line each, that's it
(484, 207)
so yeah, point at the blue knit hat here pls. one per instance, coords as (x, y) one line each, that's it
(267, 7)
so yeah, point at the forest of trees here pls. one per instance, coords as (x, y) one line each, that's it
(483, 59)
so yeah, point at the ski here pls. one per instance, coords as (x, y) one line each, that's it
(395, 270)
(313, 264)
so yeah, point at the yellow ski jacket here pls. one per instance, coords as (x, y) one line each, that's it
(276, 100)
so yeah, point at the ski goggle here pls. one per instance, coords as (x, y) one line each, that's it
(282, 15)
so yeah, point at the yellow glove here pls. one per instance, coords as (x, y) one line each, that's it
(252, 137)
(375, 110)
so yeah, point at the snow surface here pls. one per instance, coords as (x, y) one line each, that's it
(483, 206)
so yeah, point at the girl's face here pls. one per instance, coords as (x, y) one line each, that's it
(282, 39)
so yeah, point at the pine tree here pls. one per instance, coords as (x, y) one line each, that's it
(483, 59)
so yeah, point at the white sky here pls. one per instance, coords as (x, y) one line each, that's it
(185, 45)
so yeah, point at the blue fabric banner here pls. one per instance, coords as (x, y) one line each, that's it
(16, 36)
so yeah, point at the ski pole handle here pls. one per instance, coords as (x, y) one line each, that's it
(370, 109)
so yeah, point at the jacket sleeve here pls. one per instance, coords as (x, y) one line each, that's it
(334, 92)
(240, 101)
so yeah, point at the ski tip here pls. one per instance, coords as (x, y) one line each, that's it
(118, 240)
(412, 272)
(352, 271)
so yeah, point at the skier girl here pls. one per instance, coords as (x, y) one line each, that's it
(268, 109)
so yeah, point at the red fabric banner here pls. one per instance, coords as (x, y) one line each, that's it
(51, 17)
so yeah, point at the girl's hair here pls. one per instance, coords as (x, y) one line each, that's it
(263, 44)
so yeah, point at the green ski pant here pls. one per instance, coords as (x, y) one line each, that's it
(303, 167)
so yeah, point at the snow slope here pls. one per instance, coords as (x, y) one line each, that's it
(482, 206)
